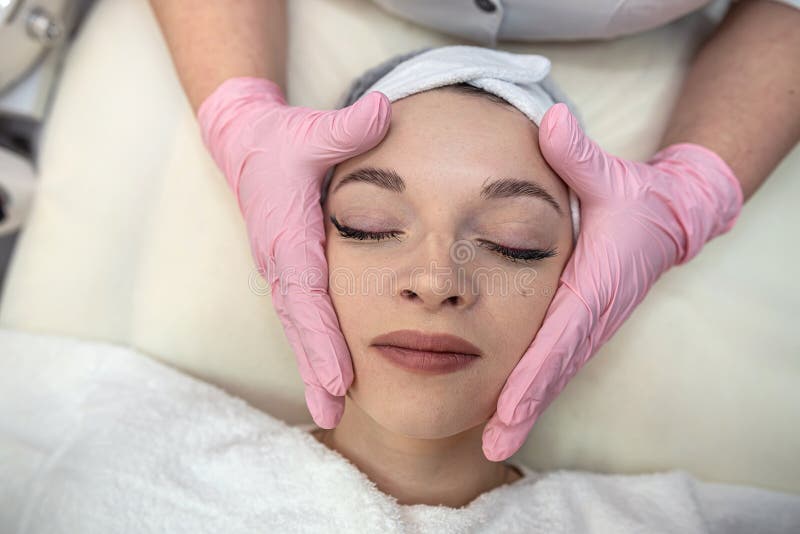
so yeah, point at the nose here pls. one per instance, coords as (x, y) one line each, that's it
(439, 279)
(431, 300)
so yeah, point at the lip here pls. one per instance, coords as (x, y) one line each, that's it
(426, 352)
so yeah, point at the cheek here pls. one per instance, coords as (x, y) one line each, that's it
(358, 292)
(517, 314)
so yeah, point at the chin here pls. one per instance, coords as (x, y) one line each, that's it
(426, 417)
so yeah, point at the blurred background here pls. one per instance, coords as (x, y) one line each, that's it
(34, 36)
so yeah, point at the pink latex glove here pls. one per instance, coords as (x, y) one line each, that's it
(275, 156)
(637, 220)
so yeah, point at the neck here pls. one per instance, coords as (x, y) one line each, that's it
(451, 471)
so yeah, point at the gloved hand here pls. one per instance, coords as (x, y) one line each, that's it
(274, 157)
(637, 220)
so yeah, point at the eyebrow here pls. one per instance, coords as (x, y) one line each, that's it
(501, 188)
(385, 178)
(514, 187)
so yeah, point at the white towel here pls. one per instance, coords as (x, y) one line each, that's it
(521, 79)
(98, 438)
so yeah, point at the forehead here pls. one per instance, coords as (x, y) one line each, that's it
(442, 137)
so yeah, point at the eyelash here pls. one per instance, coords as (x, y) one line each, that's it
(513, 254)
(352, 233)
(521, 254)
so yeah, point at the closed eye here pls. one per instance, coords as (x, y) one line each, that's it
(520, 254)
(354, 233)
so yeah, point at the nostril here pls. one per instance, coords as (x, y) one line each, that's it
(408, 293)
(452, 300)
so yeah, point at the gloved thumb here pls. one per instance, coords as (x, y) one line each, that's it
(341, 134)
(577, 159)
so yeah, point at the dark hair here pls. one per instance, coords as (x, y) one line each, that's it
(468, 89)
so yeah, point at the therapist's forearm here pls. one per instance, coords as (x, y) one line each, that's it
(211, 41)
(741, 97)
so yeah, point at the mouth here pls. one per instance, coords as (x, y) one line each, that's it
(425, 352)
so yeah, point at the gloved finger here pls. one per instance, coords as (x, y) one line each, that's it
(577, 159)
(501, 441)
(312, 319)
(335, 136)
(301, 283)
(554, 355)
(325, 409)
(318, 328)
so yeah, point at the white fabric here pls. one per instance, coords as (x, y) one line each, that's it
(544, 20)
(135, 238)
(521, 79)
(96, 438)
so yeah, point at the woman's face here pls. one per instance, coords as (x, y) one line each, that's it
(458, 178)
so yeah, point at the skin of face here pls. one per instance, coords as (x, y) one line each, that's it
(438, 272)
